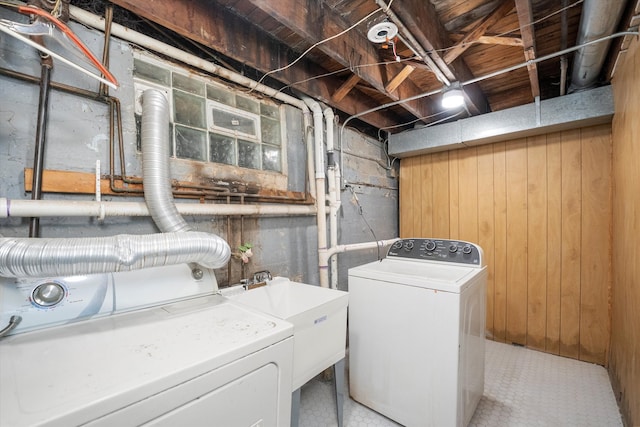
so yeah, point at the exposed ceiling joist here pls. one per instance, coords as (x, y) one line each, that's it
(525, 19)
(222, 31)
(315, 24)
(479, 30)
(399, 78)
(421, 17)
(346, 87)
(499, 40)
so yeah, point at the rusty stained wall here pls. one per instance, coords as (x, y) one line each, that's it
(77, 137)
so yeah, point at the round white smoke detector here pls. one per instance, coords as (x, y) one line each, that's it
(382, 32)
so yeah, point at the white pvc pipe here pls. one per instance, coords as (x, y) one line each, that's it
(69, 208)
(334, 195)
(321, 214)
(139, 39)
(326, 254)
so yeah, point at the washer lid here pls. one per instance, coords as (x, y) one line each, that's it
(423, 274)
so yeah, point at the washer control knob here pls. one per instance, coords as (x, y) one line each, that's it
(430, 245)
(48, 294)
(466, 249)
(397, 245)
(453, 248)
(408, 245)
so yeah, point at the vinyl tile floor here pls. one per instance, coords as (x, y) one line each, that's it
(522, 388)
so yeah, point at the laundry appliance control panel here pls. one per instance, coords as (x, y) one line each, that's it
(455, 251)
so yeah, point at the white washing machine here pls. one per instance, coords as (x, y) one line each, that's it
(201, 360)
(416, 332)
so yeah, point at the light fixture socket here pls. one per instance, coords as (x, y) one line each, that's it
(382, 32)
(453, 97)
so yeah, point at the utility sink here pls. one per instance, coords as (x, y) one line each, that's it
(319, 318)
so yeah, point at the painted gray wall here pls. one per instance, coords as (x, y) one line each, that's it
(77, 136)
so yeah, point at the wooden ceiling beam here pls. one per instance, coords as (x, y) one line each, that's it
(226, 33)
(346, 87)
(499, 40)
(315, 23)
(525, 19)
(479, 30)
(421, 18)
(399, 78)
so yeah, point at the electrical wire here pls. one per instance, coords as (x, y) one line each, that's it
(277, 70)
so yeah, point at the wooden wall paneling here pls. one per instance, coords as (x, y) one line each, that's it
(486, 229)
(571, 228)
(624, 360)
(516, 177)
(468, 195)
(440, 176)
(406, 196)
(596, 248)
(536, 241)
(426, 205)
(416, 178)
(454, 194)
(554, 241)
(500, 254)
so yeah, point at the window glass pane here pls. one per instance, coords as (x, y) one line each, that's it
(270, 131)
(189, 109)
(248, 155)
(219, 94)
(222, 149)
(269, 110)
(190, 143)
(233, 122)
(247, 104)
(270, 158)
(150, 72)
(188, 85)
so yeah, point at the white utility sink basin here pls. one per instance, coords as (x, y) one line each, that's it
(319, 318)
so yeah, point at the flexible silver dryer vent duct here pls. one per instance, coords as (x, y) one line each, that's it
(155, 163)
(599, 19)
(38, 257)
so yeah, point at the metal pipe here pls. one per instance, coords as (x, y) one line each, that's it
(599, 18)
(41, 137)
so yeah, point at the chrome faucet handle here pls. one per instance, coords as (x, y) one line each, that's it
(261, 276)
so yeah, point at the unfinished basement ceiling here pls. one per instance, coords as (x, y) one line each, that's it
(443, 41)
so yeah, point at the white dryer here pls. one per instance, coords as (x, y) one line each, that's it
(416, 332)
(201, 360)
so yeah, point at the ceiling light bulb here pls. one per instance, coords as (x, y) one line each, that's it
(452, 98)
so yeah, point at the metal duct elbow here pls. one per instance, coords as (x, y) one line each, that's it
(40, 257)
(599, 19)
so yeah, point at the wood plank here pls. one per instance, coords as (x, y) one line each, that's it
(73, 182)
(486, 229)
(501, 11)
(525, 18)
(496, 40)
(500, 224)
(417, 184)
(571, 248)
(399, 78)
(454, 194)
(516, 177)
(346, 87)
(536, 242)
(468, 194)
(596, 232)
(440, 176)
(426, 195)
(406, 196)
(554, 241)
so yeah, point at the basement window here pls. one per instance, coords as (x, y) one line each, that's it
(211, 122)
